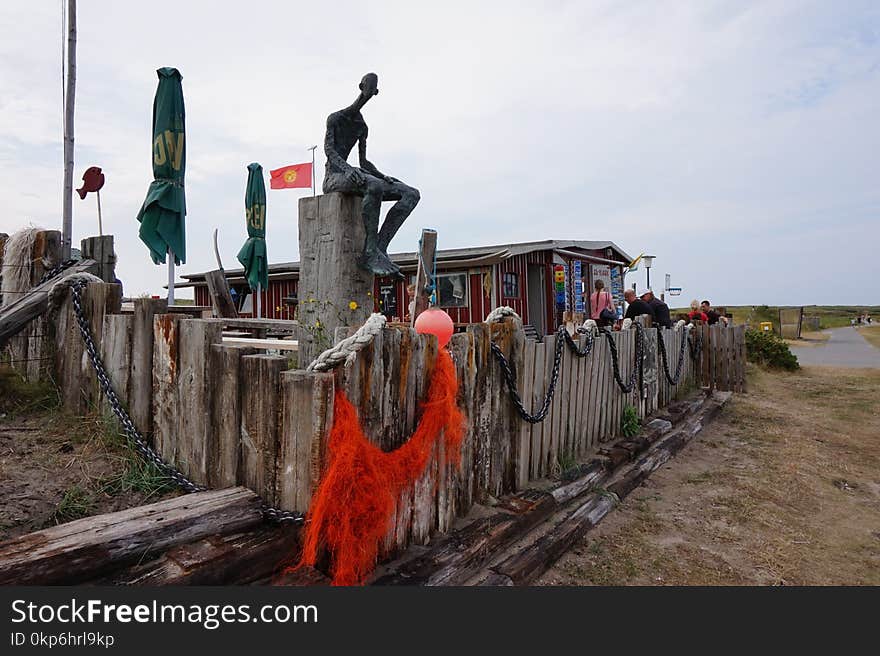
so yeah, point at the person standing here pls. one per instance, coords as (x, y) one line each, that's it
(698, 314)
(602, 308)
(659, 308)
(713, 315)
(637, 306)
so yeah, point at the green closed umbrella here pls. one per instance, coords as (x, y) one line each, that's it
(253, 254)
(162, 216)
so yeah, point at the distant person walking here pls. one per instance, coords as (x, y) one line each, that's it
(637, 307)
(659, 308)
(602, 308)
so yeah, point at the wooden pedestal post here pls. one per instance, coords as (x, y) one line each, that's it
(333, 291)
(100, 249)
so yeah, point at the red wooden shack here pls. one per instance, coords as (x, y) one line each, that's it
(470, 282)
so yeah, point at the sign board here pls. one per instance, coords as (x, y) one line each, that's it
(559, 285)
(577, 285)
(617, 289)
(674, 291)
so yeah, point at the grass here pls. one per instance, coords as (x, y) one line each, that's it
(781, 489)
(76, 503)
(830, 316)
(872, 334)
(19, 397)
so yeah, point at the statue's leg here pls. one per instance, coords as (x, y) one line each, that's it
(374, 259)
(407, 198)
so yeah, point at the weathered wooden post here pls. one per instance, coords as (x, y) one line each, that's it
(333, 290)
(100, 249)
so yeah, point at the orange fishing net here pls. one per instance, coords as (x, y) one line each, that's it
(352, 508)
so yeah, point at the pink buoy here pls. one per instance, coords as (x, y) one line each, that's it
(435, 322)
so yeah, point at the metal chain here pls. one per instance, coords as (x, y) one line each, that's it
(58, 268)
(131, 432)
(638, 365)
(664, 358)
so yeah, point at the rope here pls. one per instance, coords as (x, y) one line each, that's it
(59, 289)
(345, 350)
(501, 313)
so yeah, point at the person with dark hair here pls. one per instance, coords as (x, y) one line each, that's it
(602, 308)
(637, 306)
(659, 308)
(713, 316)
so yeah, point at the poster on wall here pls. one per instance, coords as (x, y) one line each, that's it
(577, 285)
(559, 285)
(617, 289)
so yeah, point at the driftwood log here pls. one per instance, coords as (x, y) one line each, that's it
(14, 317)
(82, 550)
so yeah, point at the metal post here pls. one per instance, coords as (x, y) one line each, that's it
(259, 302)
(170, 276)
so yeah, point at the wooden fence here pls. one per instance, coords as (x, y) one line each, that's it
(229, 415)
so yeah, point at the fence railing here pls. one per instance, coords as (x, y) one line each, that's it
(228, 414)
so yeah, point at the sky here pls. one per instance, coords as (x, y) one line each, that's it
(736, 141)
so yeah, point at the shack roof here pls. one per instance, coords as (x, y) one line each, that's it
(446, 258)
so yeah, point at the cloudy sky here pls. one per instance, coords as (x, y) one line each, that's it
(738, 142)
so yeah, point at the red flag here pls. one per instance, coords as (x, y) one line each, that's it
(290, 177)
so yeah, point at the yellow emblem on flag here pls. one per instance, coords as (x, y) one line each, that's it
(290, 176)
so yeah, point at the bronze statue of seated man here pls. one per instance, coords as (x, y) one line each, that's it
(345, 128)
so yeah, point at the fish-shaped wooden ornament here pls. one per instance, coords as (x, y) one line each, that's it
(93, 180)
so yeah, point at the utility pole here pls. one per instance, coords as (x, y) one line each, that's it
(69, 97)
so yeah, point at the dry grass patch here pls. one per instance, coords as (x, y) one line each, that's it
(784, 488)
(872, 334)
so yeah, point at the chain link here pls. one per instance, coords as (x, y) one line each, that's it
(131, 432)
(563, 337)
(695, 344)
(58, 268)
(638, 364)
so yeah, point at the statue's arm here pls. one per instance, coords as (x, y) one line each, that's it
(330, 149)
(366, 164)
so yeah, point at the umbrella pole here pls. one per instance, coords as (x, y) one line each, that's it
(259, 302)
(170, 277)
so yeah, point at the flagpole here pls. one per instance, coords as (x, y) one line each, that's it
(170, 276)
(69, 94)
(313, 168)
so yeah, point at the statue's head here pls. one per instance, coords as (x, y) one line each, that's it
(369, 85)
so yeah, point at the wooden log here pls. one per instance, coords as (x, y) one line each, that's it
(232, 559)
(524, 567)
(523, 447)
(100, 249)
(15, 316)
(260, 421)
(221, 297)
(331, 241)
(425, 268)
(75, 373)
(165, 395)
(195, 432)
(224, 446)
(460, 553)
(116, 354)
(140, 400)
(306, 420)
(86, 548)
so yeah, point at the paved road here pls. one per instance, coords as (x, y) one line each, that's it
(845, 348)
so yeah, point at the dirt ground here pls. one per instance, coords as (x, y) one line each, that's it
(782, 489)
(55, 468)
(872, 334)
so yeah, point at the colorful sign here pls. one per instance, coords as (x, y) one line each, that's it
(577, 285)
(559, 282)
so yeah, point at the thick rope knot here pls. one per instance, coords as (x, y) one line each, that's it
(590, 327)
(501, 313)
(59, 289)
(679, 324)
(627, 324)
(346, 350)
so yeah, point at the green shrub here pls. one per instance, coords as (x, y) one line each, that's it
(769, 350)
(630, 425)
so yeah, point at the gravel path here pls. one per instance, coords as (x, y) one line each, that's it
(845, 348)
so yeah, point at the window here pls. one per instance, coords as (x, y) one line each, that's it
(452, 289)
(510, 285)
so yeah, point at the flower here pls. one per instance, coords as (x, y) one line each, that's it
(317, 324)
(353, 305)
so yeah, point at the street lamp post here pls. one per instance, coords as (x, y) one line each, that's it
(649, 261)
